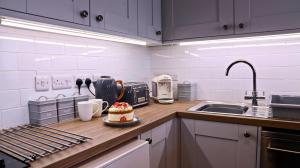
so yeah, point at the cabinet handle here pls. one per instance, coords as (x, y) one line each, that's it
(149, 140)
(225, 27)
(246, 135)
(158, 33)
(241, 25)
(84, 14)
(99, 18)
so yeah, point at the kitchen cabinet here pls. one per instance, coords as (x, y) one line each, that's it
(197, 18)
(132, 155)
(16, 5)
(149, 19)
(208, 18)
(164, 149)
(119, 16)
(264, 15)
(75, 11)
(217, 145)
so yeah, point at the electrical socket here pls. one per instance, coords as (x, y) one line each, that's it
(42, 83)
(62, 82)
(83, 77)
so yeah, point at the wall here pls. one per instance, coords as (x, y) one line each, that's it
(25, 54)
(277, 63)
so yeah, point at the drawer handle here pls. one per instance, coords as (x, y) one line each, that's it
(225, 27)
(84, 14)
(149, 140)
(282, 150)
(158, 33)
(246, 135)
(241, 25)
(99, 18)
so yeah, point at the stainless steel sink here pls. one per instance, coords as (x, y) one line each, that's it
(220, 107)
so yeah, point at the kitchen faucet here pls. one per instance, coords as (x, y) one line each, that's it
(254, 92)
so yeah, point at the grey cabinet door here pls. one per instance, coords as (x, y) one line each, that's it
(65, 10)
(217, 145)
(56, 9)
(81, 6)
(164, 150)
(149, 19)
(197, 18)
(17, 5)
(119, 16)
(266, 15)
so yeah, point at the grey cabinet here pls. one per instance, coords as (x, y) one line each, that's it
(164, 149)
(16, 5)
(197, 18)
(119, 16)
(149, 19)
(132, 155)
(75, 11)
(217, 145)
(266, 15)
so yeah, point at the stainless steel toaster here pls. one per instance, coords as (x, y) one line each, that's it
(136, 94)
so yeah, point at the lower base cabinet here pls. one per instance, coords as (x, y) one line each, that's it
(164, 148)
(131, 155)
(208, 144)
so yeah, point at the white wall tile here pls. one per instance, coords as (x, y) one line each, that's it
(15, 116)
(9, 99)
(17, 79)
(30, 61)
(8, 61)
(277, 68)
(1, 121)
(24, 54)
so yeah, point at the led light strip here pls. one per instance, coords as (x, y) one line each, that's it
(243, 39)
(12, 22)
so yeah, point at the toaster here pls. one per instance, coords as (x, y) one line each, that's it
(136, 94)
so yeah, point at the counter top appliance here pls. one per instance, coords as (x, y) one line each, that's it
(162, 89)
(136, 94)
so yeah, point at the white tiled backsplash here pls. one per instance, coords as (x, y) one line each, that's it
(25, 54)
(277, 65)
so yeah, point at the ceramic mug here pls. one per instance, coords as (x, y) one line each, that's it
(98, 106)
(86, 110)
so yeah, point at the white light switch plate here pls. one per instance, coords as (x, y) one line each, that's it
(62, 82)
(42, 83)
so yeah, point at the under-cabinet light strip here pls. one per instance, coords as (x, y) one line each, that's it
(243, 39)
(18, 23)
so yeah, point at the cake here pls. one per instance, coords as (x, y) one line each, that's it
(120, 112)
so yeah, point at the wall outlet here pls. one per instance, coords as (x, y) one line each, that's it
(83, 77)
(62, 82)
(42, 83)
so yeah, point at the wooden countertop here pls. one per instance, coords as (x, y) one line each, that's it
(105, 137)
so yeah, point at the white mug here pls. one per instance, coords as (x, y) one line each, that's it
(98, 106)
(85, 110)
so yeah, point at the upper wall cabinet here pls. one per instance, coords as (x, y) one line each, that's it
(197, 18)
(76, 11)
(149, 19)
(17, 5)
(266, 15)
(119, 16)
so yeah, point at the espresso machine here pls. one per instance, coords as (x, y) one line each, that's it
(162, 89)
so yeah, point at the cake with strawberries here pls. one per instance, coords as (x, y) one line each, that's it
(120, 112)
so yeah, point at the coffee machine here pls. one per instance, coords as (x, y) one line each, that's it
(162, 89)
